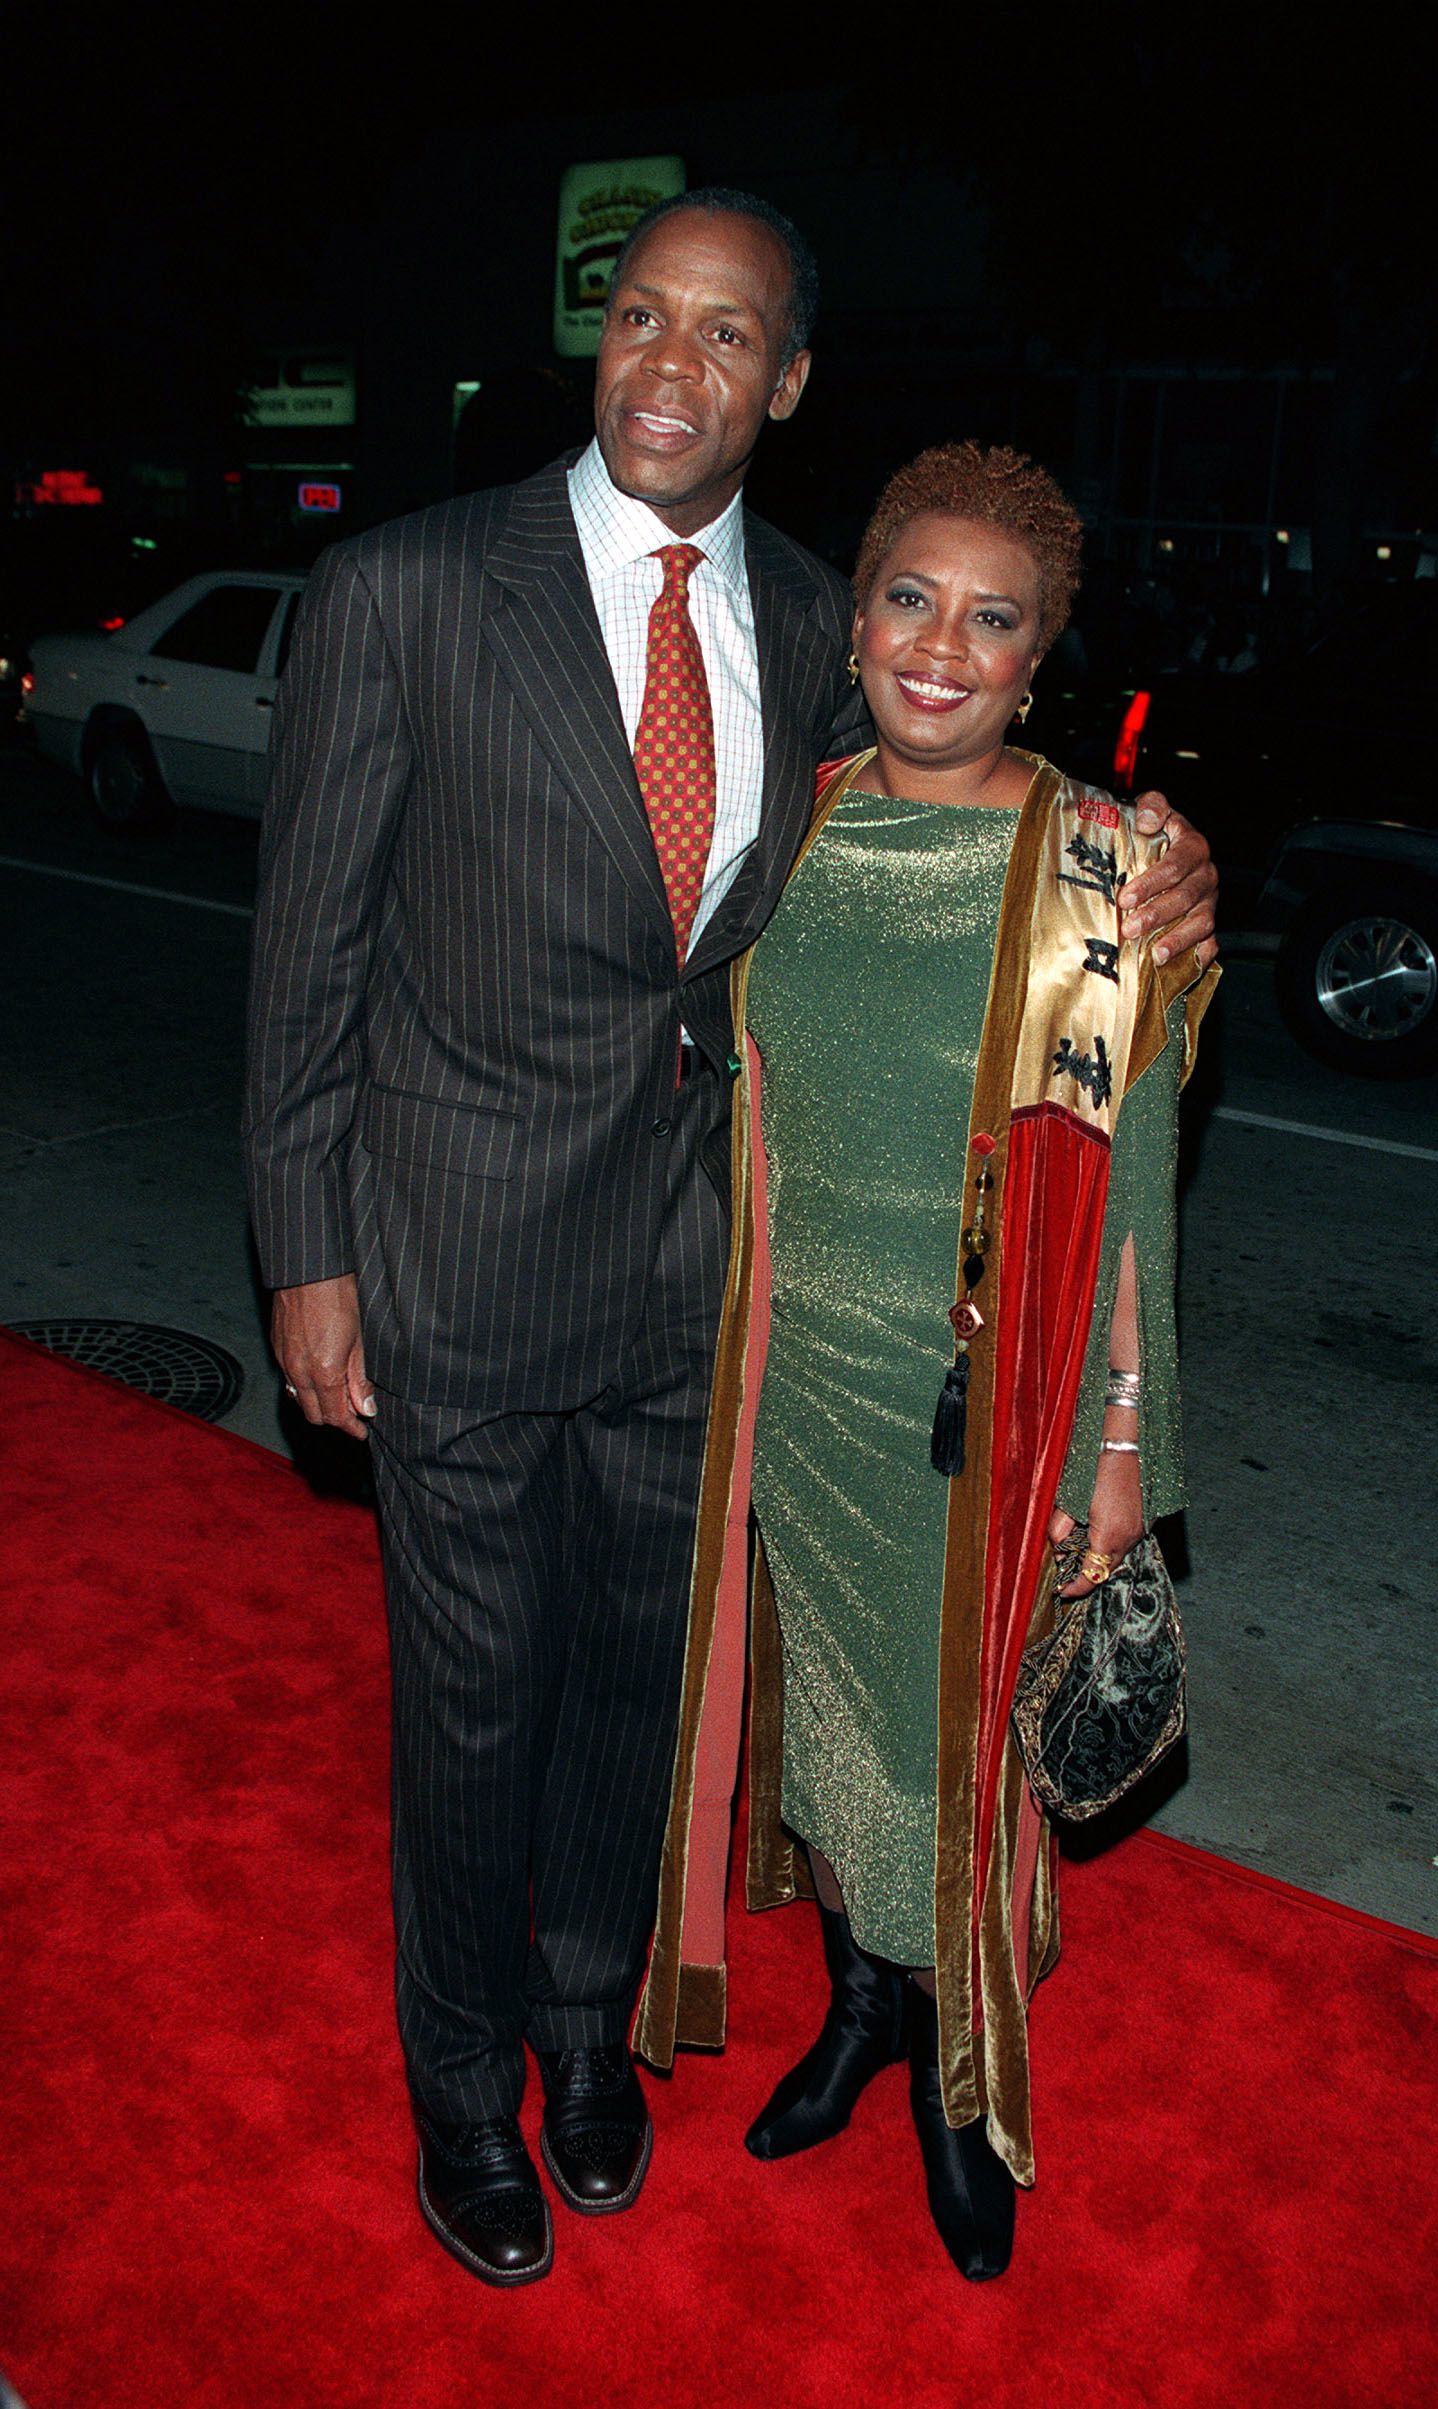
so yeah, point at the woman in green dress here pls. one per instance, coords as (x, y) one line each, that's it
(960, 1087)
(867, 1000)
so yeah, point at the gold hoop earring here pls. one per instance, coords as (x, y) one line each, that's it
(853, 669)
(1024, 709)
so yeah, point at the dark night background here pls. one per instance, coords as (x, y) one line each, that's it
(1173, 258)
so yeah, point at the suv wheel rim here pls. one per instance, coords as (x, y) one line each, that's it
(1377, 978)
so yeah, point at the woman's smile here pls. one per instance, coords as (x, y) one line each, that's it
(929, 693)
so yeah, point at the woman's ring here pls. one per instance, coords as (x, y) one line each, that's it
(1094, 1565)
(290, 1389)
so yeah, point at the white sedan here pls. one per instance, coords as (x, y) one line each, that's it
(173, 707)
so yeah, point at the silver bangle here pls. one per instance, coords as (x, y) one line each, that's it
(1123, 1388)
(1118, 1447)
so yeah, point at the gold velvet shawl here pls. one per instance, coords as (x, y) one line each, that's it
(1072, 1020)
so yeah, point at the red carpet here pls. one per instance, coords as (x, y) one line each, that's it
(208, 2169)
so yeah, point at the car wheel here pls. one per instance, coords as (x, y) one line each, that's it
(126, 789)
(1357, 980)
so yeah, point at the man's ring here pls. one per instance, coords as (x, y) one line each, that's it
(1094, 1565)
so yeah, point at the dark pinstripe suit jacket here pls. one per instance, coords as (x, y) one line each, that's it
(465, 1007)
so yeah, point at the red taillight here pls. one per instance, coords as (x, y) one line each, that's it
(1125, 752)
(110, 625)
(27, 681)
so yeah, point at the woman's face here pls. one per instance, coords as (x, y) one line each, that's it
(948, 640)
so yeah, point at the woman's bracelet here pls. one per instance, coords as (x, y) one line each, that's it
(1123, 1388)
(1118, 1447)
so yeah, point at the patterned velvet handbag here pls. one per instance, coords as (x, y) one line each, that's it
(1100, 1699)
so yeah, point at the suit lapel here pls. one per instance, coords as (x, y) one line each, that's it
(543, 630)
(796, 669)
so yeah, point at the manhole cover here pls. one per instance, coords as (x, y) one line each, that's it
(173, 1365)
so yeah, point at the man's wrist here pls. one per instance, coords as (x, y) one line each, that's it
(290, 1281)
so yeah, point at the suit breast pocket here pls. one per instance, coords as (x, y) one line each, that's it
(464, 1141)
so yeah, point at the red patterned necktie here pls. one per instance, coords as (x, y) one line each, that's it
(674, 742)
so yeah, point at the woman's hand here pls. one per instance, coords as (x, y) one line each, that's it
(1115, 1516)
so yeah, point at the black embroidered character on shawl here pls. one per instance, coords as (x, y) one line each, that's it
(1099, 861)
(1101, 958)
(1091, 1071)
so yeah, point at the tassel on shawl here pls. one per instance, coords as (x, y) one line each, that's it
(951, 1414)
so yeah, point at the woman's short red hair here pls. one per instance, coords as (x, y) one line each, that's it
(1004, 488)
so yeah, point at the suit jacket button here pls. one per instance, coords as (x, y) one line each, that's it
(662, 1128)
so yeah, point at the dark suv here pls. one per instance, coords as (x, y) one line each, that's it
(1314, 784)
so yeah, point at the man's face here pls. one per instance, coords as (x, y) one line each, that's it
(689, 363)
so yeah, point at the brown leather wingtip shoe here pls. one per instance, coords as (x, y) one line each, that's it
(479, 2194)
(596, 2134)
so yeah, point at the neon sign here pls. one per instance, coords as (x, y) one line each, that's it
(60, 485)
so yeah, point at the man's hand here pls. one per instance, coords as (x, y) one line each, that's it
(315, 1332)
(1178, 894)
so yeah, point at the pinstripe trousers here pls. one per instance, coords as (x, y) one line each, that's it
(537, 1575)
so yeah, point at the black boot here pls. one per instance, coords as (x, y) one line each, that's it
(862, 2032)
(971, 2192)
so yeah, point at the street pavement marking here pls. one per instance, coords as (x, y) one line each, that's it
(127, 886)
(118, 1129)
(244, 911)
(1335, 1137)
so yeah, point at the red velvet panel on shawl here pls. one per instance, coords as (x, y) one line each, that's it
(1054, 1195)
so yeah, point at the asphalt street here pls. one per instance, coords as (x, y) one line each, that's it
(1307, 1576)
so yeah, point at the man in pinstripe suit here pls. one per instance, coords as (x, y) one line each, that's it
(488, 1145)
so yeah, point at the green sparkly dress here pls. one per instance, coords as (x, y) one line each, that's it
(866, 998)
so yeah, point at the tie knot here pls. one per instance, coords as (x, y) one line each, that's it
(678, 561)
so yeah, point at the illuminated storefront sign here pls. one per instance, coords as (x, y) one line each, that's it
(598, 205)
(312, 496)
(59, 485)
(307, 388)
